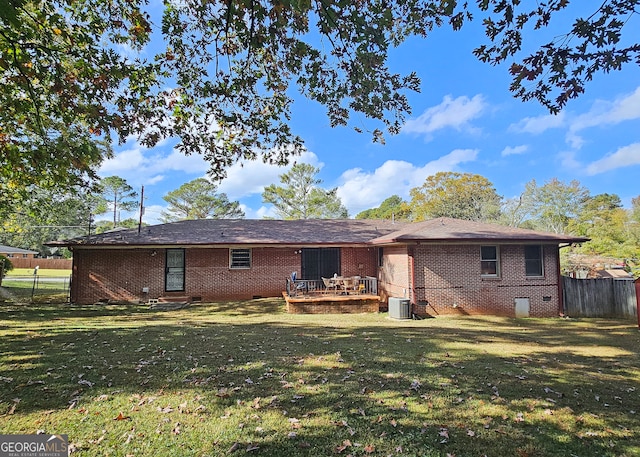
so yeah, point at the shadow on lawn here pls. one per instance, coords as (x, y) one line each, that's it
(415, 384)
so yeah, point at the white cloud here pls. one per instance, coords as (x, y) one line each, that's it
(539, 124)
(248, 178)
(623, 157)
(123, 161)
(361, 189)
(454, 113)
(139, 165)
(604, 113)
(516, 150)
(152, 214)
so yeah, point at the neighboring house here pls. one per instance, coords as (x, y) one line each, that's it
(443, 265)
(17, 253)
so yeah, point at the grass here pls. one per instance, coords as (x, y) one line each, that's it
(244, 378)
(48, 288)
(46, 272)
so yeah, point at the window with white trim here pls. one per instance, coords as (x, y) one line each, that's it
(533, 260)
(239, 258)
(489, 261)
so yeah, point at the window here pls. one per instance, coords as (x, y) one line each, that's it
(240, 258)
(25, 256)
(489, 263)
(533, 260)
(380, 257)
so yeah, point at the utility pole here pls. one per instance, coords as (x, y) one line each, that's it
(141, 209)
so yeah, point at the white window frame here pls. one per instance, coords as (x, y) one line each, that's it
(239, 264)
(540, 273)
(496, 261)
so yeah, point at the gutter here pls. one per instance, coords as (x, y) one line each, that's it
(560, 288)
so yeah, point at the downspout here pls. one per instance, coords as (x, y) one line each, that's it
(73, 285)
(412, 279)
(560, 288)
(637, 286)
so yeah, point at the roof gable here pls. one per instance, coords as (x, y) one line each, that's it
(448, 229)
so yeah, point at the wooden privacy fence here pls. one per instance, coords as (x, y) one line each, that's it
(56, 264)
(599, 298)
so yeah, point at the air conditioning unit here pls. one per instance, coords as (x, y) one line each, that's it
(399, 308)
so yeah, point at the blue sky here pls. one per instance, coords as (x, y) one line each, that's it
(464, 120)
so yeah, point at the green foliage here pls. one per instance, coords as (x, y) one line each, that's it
(46, 215)
(458, 195)
(5, 266)
(391, 208)
(105, 226)
(555, 204)
(119, 194)
(199, 199)
(300, 197)
(76, 74)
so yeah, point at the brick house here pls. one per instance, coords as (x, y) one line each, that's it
(17, 253)
(443, 265)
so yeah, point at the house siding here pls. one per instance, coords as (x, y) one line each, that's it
(448, 281)
(120, 275)
(394, 274)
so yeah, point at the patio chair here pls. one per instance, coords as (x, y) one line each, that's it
(348, 284)
(297, 287)
(330, 283)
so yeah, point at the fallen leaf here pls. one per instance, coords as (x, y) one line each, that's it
(121, 417)
(369, 448)
(345, 444)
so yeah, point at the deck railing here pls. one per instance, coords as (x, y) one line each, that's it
(308, 287)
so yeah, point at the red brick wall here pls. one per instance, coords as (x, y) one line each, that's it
(115, 274)
(448, 279)
(393, 277)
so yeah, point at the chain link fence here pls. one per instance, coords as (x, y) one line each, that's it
(36, 288)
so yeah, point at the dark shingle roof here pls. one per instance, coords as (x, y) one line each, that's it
(313, 232)
(11, 250)
(243, 231)
(447, 229)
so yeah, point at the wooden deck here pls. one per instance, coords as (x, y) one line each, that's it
(332, 303)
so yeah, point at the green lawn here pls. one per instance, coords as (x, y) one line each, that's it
(50, 286)
(46, 272)
(246, 378)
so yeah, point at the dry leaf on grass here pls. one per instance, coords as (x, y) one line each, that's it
(121, 417)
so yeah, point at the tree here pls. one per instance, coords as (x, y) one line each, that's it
(5, 267)
(74, 75)
(118, 193)
(105, 226)
(300, 197)
(393, 207)
(635, 209)
(458, 195)
(199, 199)
(45, 216)
(555, 204)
